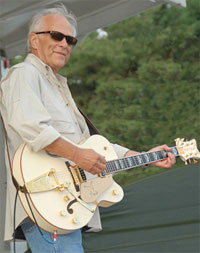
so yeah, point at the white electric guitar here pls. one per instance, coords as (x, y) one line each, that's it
(63, 197)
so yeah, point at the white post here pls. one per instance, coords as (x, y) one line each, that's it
(4, 246)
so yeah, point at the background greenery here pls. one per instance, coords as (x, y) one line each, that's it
(140, 83)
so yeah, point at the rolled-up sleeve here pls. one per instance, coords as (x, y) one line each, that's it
(46, 137)
(120, 151)
(25, 110)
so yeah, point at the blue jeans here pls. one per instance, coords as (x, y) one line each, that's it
(67, 243)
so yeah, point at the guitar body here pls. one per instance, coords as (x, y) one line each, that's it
(59, 200)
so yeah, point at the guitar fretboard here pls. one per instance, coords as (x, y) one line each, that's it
(142, 159)
(130, 162)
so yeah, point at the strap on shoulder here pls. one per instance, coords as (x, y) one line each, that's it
(92, 128)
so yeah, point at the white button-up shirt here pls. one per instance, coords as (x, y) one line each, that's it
(37, 108)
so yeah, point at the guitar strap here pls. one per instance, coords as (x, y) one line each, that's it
(92, 128)
(18, 233)
(17, 186)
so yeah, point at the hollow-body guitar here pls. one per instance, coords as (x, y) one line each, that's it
(63, 197)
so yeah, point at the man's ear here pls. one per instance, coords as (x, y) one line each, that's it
(33, 38)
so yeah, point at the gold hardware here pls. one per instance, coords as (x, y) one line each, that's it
(78, 173)
(52, 171)
(76, 178)
(63, 213)
(194, 161)
(61, 187)
(43, 183)
(105, 148)
(75, 221)
(102, 176)
(66, 198)
(114, 192)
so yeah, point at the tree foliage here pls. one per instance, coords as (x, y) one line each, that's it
(140, 83)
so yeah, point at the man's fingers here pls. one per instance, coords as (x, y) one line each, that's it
(172, 158)
(165, 147)
(102, 160)
(96, 163)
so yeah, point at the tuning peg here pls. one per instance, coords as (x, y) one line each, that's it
(194, 161)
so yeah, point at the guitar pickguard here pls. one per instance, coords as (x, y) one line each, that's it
(93, 188)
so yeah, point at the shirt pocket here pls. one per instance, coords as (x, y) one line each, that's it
(63, 127)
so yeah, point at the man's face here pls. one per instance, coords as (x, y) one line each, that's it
(54, 53)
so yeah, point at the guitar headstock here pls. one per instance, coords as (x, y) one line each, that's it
(187, 150)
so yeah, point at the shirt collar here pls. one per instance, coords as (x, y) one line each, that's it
(39, 64)
(45, 69)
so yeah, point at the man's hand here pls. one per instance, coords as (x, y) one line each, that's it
(89, 160)
(166, 163)
(86, 159)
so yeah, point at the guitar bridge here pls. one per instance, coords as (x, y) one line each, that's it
(77, 174)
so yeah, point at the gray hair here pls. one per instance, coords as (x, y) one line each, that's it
(61, 10)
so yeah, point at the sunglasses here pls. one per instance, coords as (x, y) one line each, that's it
(59, 37)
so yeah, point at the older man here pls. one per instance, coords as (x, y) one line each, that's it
(38, 109)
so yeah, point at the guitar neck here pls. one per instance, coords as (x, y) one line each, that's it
(142, 159)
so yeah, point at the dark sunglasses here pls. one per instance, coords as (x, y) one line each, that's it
(59, 37)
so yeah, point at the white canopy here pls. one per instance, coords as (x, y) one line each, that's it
(91, 14)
